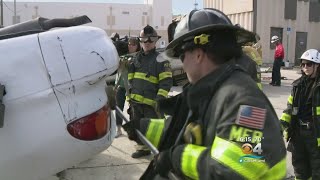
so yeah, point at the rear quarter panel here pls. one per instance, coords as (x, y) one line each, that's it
(47, 87)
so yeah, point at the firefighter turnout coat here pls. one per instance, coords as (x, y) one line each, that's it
(150, 78)
(231, 132)
(289, 118)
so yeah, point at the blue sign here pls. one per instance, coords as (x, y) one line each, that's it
(288, 29)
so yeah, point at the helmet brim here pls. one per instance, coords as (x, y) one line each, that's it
(243, 36)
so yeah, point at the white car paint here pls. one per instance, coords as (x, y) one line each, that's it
(51, 79)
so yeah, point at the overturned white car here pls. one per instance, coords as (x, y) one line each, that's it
(56, 109)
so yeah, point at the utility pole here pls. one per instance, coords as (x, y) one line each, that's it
(1, 12)
(195, 5)
(15, 12)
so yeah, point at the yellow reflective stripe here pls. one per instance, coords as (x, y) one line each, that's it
(155, 130)
(290, 99)
(229, 154)
(286, 117)
(259, 86)
(164, 75)
(130, 76)
(318, 110)
(143, 100)
(143, 76)
(318, 140)
(253, 55)
(190, 156)
(278, 171)
(163, 92)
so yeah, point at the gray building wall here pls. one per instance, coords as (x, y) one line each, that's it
(261, 15)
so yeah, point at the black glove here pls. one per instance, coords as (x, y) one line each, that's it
(129, 128)
(162, 163)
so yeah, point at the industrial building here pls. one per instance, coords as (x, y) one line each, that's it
(125, 19)
(296, 22)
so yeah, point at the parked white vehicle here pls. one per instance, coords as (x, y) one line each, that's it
(56, 109)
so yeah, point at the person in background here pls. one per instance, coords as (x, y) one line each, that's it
(300, 121)
(251, 50)
(121, 83)
(278, 59)
(150, 79)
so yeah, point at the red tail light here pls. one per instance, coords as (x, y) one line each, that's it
(91, 127)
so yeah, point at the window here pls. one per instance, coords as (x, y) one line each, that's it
(314, 12)
(125, 12)
(275, 31)
(290, 9)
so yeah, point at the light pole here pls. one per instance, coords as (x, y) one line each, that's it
(1, 12)
(195, 5)
(14, 12)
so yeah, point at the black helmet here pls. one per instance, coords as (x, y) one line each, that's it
(207, 21)
(148, 34)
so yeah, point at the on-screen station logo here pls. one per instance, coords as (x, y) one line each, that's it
(249, 157)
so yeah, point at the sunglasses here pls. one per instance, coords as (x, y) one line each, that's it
(181, 57)
(308, 64)
(180, 50)
(149, 39)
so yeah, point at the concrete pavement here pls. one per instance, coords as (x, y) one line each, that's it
(115, 163)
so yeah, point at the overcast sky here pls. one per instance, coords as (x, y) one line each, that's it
(178, 6)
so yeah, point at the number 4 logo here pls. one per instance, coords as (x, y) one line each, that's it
(257, 149)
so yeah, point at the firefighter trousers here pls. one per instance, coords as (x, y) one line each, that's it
(305, 153)
(141, 111)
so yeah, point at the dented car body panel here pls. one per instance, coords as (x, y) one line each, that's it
(52, 79)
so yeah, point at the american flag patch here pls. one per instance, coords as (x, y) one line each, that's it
(252, 117)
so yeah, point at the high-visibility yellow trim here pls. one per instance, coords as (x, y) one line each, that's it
(318, 110)
(154, 131)
(278, 171)
(259, 86)
(190, 156)
(163, 92)
(130, 76)
(143, 100)
(290, 99)
(318, 140)
(144, 76)
(165, 75)
(286, 117)
(229, 154)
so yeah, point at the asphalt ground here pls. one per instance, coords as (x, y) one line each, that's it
(116, 163)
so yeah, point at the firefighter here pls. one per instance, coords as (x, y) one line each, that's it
(150, 79)
(229, 128)
(300, 120)
(253, 51)
(121, 82)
